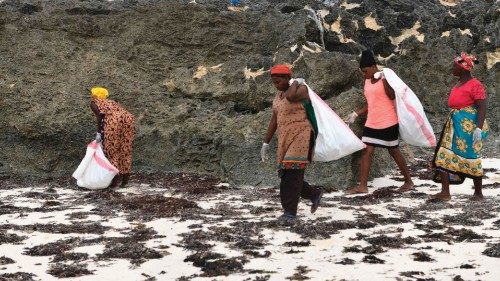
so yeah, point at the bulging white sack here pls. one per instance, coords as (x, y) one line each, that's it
(414, 128)
(95, 171)
(335, 139)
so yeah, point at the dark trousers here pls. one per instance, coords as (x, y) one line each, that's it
(292, 187)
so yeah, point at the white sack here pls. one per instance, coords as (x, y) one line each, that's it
(414, 128)
(335, 139)
(95, 171)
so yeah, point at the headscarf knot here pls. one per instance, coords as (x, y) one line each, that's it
(465, 61)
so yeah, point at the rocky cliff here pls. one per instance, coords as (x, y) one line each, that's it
(195, 74)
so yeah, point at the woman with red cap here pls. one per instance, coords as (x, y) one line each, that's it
(458, 149)
(295, 140)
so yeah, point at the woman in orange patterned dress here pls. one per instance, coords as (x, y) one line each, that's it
(115, 129)
(295, 141)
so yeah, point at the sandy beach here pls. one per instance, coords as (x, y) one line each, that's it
(189, 227)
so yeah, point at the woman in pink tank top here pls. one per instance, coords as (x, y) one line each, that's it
(381, 128)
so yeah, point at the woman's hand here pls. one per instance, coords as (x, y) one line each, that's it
(271, 129)
(296, 92)
(481, 112)
(351, 118)
(299, 81)
(476, 136)
(389, 91)
(263, 152)
(355, 114)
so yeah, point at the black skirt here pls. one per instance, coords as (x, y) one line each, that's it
(388, 137)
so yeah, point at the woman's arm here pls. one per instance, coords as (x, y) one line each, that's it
(296, 93)
(271, 129)
(481, 112)
(389, 91)
(97, 114)
(362, 110)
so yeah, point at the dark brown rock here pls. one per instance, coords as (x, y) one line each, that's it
(181, 71)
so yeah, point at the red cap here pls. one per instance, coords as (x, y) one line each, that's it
(282, 69)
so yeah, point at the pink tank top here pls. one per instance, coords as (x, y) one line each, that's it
(381, 110)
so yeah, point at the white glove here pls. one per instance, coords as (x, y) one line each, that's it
(300, 81)
(351, 118)
(476, 136)
(98, 137)
(263, 152)
(379, 75)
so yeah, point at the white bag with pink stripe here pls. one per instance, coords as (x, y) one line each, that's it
(95, 171)
(414, 128)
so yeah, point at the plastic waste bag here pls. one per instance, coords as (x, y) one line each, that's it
(334, 138)
(414, 128)
(95, 171)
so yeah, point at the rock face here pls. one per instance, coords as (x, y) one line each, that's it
(196, 74)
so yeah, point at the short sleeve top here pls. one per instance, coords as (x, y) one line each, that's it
(465, 95)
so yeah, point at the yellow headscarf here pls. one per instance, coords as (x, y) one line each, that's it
(99, 93)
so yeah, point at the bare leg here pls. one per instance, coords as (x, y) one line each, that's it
(400, 161)
(115, 181)
(125, 179)
(478, 193)
(444, 195)
(366, 162)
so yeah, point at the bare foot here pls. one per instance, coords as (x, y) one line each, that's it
(125, 179)
(407, 186)
(440, 197)
(356, 190)
(477, 197)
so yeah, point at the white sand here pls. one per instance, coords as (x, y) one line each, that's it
(320, 257)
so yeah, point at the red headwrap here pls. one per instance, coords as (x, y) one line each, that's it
(465, 61)
(281, 69)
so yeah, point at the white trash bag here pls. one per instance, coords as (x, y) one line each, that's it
(95, 171)
(335, 139)
(414, 128)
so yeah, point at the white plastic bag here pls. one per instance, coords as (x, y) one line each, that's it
(335, 139)
(95, 171)
(414, 128)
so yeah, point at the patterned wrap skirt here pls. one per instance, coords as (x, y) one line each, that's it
(456, 152)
